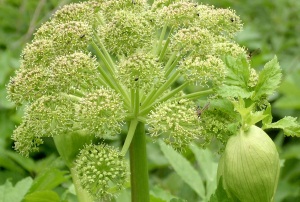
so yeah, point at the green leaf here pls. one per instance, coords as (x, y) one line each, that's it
(48, 180)
(288, 124)
(234, 91)
(236, 82)
(268, 80)
(207, 166)
(249, 117)
(42, 196)
(26, 163)
(220, 195)
(9, 164)
(157, 194)
(156, 199)
(184, 169)
(8, 193)
(268, 115)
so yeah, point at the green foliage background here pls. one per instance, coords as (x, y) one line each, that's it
(270, 27)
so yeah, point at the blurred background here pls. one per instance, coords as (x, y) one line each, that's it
(270, 28)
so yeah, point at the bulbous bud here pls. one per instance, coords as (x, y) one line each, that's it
(250, 166)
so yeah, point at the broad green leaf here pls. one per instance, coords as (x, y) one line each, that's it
(184, 169)
(156, 199)
(42, 196)
(234, 91)
(238, 71)
(159, 195)
(26, 163)
(48, 180)
(268, 114)
(8, 193)
(155, 157)
(9, 164)
(236, 81)
(207, 166)
(268, 80)
(220, 195)
(288, 124)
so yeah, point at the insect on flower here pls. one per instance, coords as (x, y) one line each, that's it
(253, 53)
(82, 36)
(199, 111)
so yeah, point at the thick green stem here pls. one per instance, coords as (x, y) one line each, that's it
(138, 166)
(82, 195)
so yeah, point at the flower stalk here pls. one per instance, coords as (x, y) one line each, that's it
(139, 166)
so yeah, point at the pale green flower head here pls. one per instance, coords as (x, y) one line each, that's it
(109, 7)
(126, 32)
(102, 170)
(208, 71)
(140, 71)
(193, 39)
(219, 21)
(67, 37)
(99, 67)
(46, 117)
(176, 122)
(37, 52)
(176, 14)
(83, 12)
(101, 112)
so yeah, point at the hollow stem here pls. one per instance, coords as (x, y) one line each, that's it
(138, 166)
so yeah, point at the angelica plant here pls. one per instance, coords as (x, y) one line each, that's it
(98, 67)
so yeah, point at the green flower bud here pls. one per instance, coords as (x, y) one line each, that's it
(108, 7)
(196, 39)
(101, 112)
(225, 48)
(126, 32)
(69, 73)
(215, 124)
(177, 122)
(250, 166)
(177, 14)
(218, 21)
(253, 78)
(203, 71)
(74, 12)
(102, 170)
(140, 71)
(38, 53)
(46, 117)
(27, 85)
(67, 37)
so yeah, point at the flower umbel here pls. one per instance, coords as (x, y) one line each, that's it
(102, 170)
(99, 65)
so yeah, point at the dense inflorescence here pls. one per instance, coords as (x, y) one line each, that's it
(103, 170)
(97, 65)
